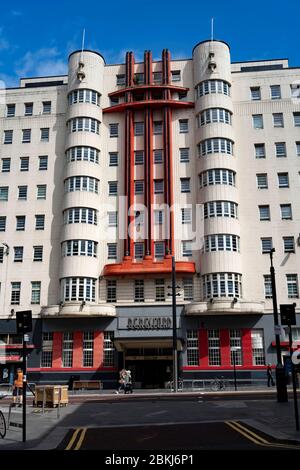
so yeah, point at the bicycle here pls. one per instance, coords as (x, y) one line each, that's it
(2, 425)
(218, 384)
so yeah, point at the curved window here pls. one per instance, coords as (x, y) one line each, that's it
(80, 248)
(81, 183)
(80, 215)
(220, 209)
(221, 242)
(214, 115)
(217, 145)
(87, 154)
(79, 288)
(212, 86)
(222, 285)
(84, 96)
(217, 176)
(84, 124)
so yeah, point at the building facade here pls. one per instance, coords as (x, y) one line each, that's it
(107, 173)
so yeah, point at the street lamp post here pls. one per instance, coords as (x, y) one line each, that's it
(280, 373)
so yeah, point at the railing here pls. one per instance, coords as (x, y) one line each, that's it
(228, 384)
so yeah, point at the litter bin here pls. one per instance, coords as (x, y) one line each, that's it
(71, 381)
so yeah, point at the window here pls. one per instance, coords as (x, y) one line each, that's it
(114, 130)
(46, 107)
(185, 185)
(262, 181)
(41, 191)
(258, 350)
(79, 288)
(82, 183)
(192, 347)
(114, 100)
(108, 349)
(266, 245)
(158, 217)
(296, 119)
(47, 349)
(258, 121)
(1, 254)
(138, 79)
(157, 77)
(8, 137)
(22, 193)
(283, 180)
(112, 219)
(157, 127)
(187, 248)
(139, 187)
(295, 90)
(183, 126)
(5, 165)
(28, 109)
(84, 96)
(10, 110)
(264, 212)
(138, 128)
(113, 158)
(84, 124)
(268, 286)
(159, 250)
(158, 186)
(139, 157)
(289, 244)
(80, 215)
(188, 288)
(67, 350)
(280, 148)
(275, 92)
(214, 115)
(88, 349)
(210, 146)
(220, 209)
(15, 293)
(255, 93)
(45, 134)
(217, 176)
(292, 286)
(184, 155)
(221, 242)
(222, 285)
(88, 154)
(20, 222)
(43, 163)
(158, 156)
(38, 253)
(36, 292)
(112, 188)
(39, 222)
(121, 80)
(260, 150)
(286, 211)
(139, 250)
(214, 352)
(212, 86)
(175, 75)
(26, 139)
(24, 163)
(112, 251)
(278, 120)
(111, 291)
(235, 347)
(139, 291)
(186, 215)
(80, 248)
(298, 148)
(18, 254)
(2, 223)
(3, 193)
(160, 295)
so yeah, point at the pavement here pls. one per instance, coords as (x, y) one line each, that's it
(255, 409)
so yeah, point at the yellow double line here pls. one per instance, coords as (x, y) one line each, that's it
(76, 439)
(255, 438)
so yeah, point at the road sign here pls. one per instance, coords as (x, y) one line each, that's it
(24, 321)
(288, 314)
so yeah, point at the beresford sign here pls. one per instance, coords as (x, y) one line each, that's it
(149, 323)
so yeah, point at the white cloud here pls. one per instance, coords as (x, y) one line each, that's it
(45, 61)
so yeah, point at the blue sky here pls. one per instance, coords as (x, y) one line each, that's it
(36, 37)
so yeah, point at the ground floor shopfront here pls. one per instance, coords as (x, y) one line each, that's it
(140, 339)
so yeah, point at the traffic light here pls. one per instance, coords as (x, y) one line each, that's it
(24, 321)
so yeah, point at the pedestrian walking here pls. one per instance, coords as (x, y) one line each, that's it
(122, 375)
(18, 388)
(128, 382)
(270, 376)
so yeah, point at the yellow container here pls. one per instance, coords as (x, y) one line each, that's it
(52, 394)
